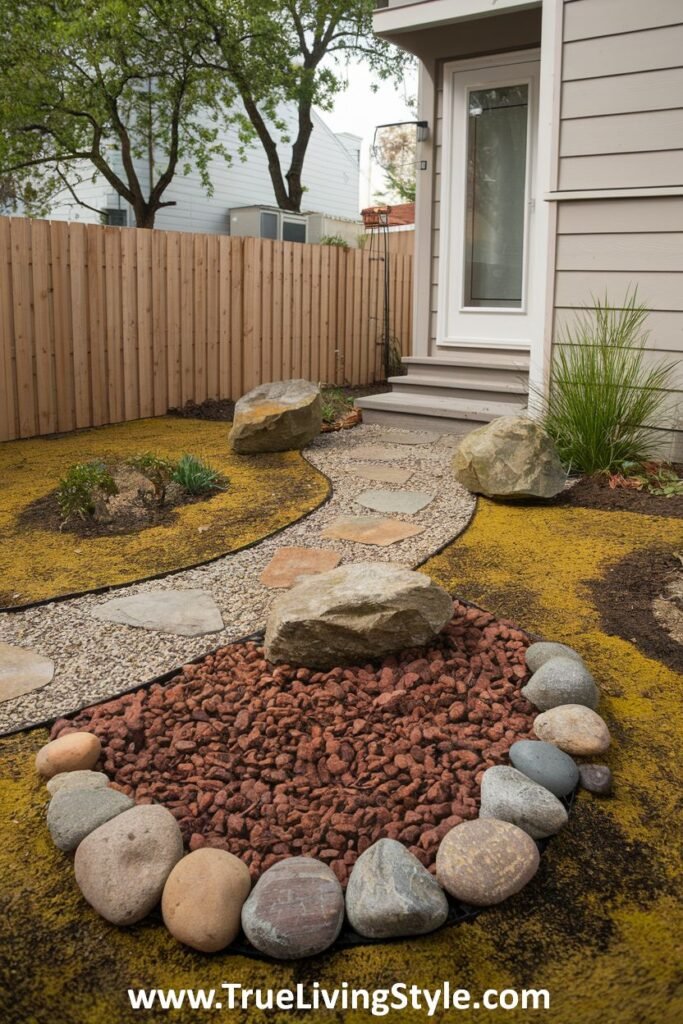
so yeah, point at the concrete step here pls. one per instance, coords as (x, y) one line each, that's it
(428, 412)
(478, 388)
(487, 358)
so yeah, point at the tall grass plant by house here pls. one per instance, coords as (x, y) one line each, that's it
(603, 394)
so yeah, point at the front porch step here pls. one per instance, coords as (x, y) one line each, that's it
(481, 388)
(490, 357)
(424, 411)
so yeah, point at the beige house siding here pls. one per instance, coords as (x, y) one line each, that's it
(621, 127)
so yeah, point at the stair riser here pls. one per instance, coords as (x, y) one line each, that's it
(497, 358)
(403, 421)
(458, 391)
(493, 375)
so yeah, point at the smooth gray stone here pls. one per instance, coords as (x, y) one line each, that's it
(74, 813)
(537, 654)
(509, 795)
(182, 612)
(82, 779)
(407, 502)
(596, 778)
(545, 764)
(562, 681)
(390, 894)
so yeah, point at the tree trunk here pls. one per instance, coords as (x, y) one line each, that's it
(144, 215)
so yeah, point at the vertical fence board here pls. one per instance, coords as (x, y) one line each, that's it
(99, 325)
(43, 332)
(114, 321)
(9, 419)
(23, 326)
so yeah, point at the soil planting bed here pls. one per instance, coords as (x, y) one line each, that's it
(273, 761)
(595, 492)
(131, 510)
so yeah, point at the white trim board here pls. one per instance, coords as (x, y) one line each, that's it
(432, 13)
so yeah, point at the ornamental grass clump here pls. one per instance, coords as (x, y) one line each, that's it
(197, 477)
(602, 393)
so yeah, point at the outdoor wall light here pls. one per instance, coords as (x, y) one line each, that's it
(421, 131)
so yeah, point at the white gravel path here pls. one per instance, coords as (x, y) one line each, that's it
(95, 660)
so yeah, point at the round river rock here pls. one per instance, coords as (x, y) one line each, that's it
(74, 813)
(596, 778)
(561, 681)
(77, 780)
(545, 764)
(296, 909)
(537, 654)
(509, 795)
(122, 866)
(203, 898)
(484, 861)
(577, 730)
(72, 752)
(390, 893)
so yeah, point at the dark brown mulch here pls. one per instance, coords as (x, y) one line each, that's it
(133, 509)
(624, 599)
(595, 492)
(224, 408)
(272, 761)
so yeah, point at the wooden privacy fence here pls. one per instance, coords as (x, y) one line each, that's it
(100, 324)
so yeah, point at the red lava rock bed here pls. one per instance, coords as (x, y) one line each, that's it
(273, 761)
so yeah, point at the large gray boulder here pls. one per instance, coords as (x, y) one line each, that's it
(276, 417)
(354, 614)
(511, 457)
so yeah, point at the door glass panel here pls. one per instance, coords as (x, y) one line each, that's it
(496, 196)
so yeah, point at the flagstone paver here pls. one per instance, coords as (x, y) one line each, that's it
(183, 612)
(374, 453)
(370, 530)
(22, 671)
(405, 502)
(288, 564)
(383, 474)
(408, 437)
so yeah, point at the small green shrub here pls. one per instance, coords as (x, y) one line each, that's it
(602, 393)
(335, 404)
(335, 240)
(197, 477)
(80, 489)
(158, 471)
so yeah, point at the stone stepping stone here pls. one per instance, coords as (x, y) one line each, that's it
(384, 474)
(183, 612)
(406, 502)
(370, 530)
(22, 671)
(288, 564)
(409, 437)
(373, 453)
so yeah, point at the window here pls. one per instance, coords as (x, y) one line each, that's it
(269, 225)
(293, 230)
(115, 218)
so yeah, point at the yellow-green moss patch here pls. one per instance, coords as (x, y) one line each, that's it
(598, 927)
(265, 493)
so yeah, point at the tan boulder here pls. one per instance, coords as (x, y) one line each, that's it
(511, 457)
(577, 730)
(203, 898)
(277, 417)
(74, 751)
(354, 614)
(484, 861)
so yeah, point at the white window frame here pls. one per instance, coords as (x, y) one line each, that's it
(512, 326)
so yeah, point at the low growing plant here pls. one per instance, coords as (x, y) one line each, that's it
(335, 240)
(157, 470)
(658, 478)
(197, 477)
(80, 489)
(335, 404)
(602, 393)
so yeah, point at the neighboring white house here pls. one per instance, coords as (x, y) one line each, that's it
(331, 177)
(552, 171)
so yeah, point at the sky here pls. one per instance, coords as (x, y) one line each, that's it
(358, 110)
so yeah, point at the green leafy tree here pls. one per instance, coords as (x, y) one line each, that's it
(105, 87)
(290, 51)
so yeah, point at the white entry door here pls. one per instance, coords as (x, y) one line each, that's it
(489, 280)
